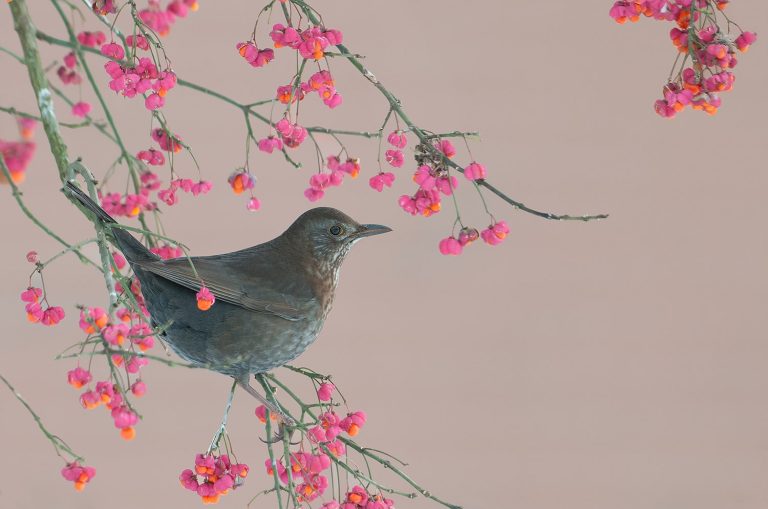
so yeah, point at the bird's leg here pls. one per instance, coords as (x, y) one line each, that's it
(272, 407)
(223, 427)
(282, 424)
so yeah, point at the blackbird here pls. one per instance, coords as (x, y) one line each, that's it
(271, 299)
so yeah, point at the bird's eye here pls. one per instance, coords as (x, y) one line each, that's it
(336, 230)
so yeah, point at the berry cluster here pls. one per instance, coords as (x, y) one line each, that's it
(67, 72)
(80, 475)
(108, 394)
(132, 204)
(141, 78)
(205, 299)
(213, 476)
(359, 498)
(129, 336)
(161, 19)
(321, 82)
(167, 251)
(310, 43)
(18, 154)
(242, 180)
(36, 313)
(337, 170)
(702, 35)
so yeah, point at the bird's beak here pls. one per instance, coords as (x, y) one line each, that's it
(366, 230)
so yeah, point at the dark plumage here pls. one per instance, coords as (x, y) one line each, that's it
(271, 299)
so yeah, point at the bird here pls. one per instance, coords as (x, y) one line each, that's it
(271, 300)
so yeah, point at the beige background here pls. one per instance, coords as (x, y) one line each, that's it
(618, 364)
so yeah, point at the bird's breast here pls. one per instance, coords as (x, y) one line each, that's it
(323, 279)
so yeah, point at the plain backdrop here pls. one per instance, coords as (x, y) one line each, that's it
(613, 364)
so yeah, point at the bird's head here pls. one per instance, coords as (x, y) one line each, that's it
(329, 234)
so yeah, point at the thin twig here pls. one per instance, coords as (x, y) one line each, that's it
(58, 444)
(17, 194)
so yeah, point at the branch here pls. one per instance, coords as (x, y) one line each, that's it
(395, 104)
(17, 113)
(58, 444)
(128, 353)
(25, 28)
(365, 452)
(101, 235)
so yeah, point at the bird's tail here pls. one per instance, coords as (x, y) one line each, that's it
(88, 203)
(128, 244)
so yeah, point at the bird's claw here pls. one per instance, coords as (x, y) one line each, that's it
(275, 440)
(280, 435)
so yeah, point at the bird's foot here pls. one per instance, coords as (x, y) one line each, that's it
(280, 435)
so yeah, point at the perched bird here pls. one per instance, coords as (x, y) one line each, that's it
(271, 299)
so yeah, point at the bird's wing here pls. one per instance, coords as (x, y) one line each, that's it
(227, 283)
